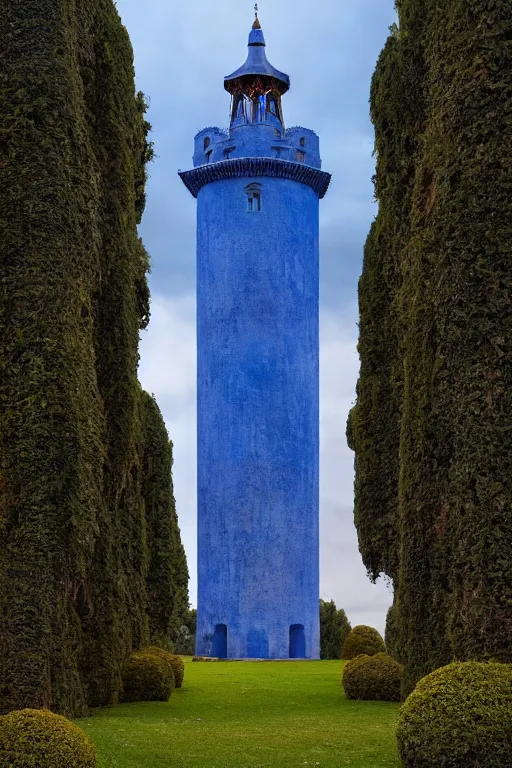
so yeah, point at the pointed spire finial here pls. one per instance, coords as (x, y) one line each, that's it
(256, 24)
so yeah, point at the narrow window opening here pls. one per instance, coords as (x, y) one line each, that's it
(272, 106)
(254, 202)
(206, 143)
(301, 157)
(253, 192)
(302, 141)
(297, 642)
(220, 641)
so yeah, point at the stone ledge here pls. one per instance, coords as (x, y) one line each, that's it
(256, 167)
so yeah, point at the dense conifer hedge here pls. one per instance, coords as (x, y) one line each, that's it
(431, 428)
(74, 556)
(167, 581)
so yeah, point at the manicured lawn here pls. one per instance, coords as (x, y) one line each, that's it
(249, 715)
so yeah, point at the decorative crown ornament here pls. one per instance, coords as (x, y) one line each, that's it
(256, 24)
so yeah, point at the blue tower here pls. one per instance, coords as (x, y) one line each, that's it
(258, 188)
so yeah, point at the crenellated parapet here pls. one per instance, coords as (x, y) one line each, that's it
(295, 145)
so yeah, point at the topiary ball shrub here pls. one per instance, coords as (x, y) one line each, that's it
(147, 677)
(459, 716)
(373, 678)
(362, 640)
(36, 738)
(178, 667)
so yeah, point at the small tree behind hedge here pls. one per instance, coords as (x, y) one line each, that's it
(362, 640)
(334, 629)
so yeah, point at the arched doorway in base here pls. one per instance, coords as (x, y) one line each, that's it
(220, 641)
(297, 642)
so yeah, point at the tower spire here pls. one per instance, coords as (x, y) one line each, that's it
(256, 24)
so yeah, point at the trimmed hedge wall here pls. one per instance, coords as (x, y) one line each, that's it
(74, 550)
(433, 449)
(52, 424)
(167, 581)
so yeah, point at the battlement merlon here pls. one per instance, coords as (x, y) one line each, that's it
(297, 144)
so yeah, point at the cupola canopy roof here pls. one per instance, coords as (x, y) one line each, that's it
(257, 63)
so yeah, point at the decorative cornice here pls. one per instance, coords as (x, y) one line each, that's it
(255, 167)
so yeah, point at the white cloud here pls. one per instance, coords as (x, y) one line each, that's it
(168, 369)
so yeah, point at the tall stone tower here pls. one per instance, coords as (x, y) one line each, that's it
(258, 188)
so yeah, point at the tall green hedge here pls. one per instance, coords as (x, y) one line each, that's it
(117, 130)
(397, 110)
(167, 581)
(436, 333)
(74, 555)
(52, 426)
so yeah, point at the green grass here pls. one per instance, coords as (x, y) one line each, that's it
(249, 715)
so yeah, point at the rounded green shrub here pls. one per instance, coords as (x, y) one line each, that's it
(36, 738)
(459, 716)
(373, 678)
(176, 662)
(362, 640)
(147, 677)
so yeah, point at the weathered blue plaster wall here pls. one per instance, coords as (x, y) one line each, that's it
(258, 376)
(258, 417)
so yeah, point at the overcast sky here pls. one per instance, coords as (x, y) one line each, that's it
(329, 48)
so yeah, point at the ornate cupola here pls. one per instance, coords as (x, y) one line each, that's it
(256, 87)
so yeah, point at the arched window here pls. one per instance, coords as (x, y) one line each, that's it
(206, 143)
(302, 141)
(300, 157)
(253, 192)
